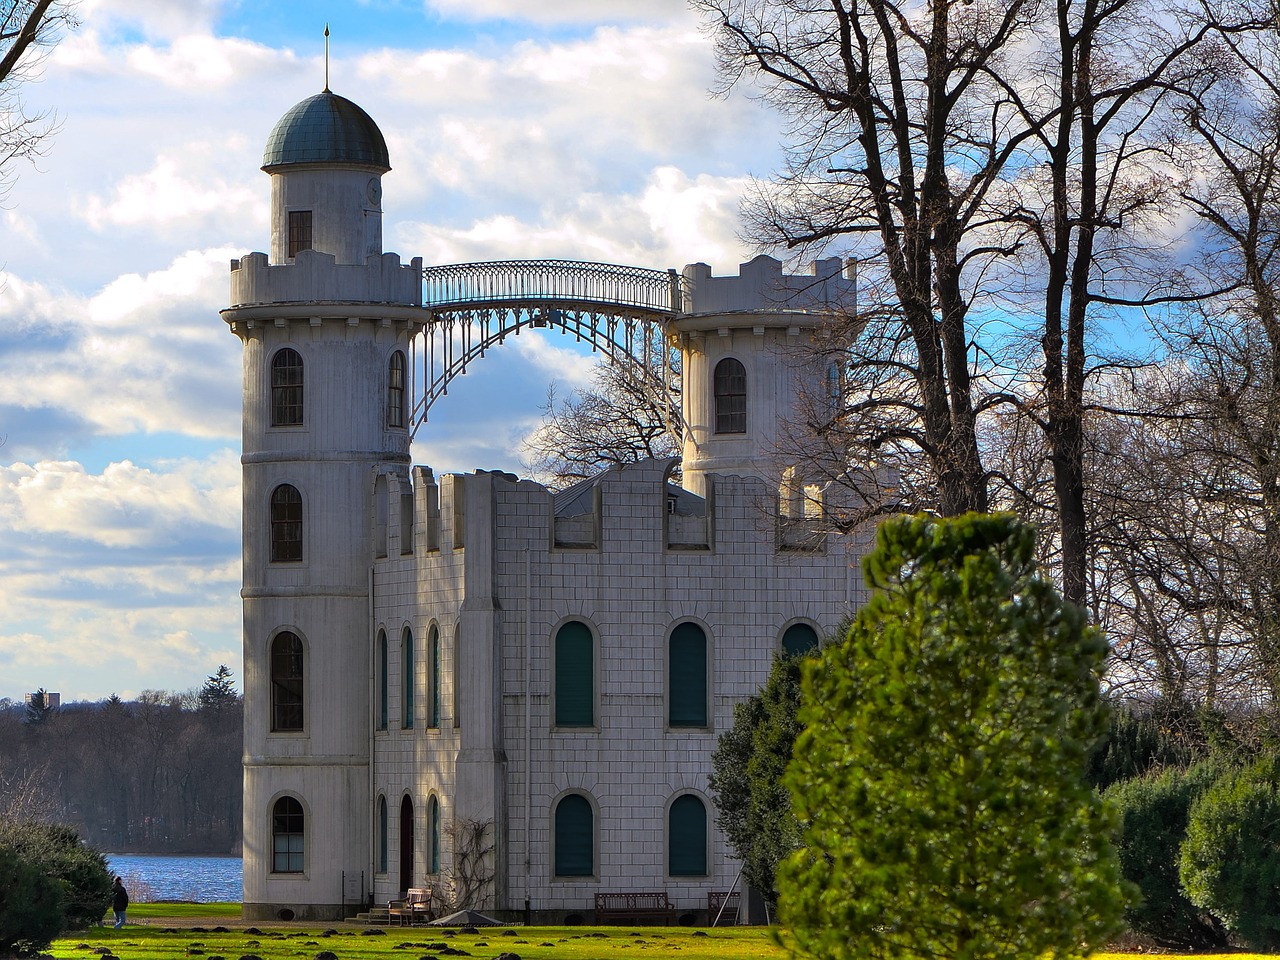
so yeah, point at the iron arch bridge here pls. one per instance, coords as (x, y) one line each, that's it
(621, 311)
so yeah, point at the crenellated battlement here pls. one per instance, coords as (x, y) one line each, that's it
(762, 286)
(317, 277)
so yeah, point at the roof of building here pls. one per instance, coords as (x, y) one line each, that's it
(326, 128)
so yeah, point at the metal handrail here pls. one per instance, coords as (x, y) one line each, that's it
(559, 281)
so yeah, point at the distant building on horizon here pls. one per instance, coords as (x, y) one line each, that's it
(472, 684)
(51, 700)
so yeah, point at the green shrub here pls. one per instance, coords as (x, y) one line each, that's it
(1153, 815)
(1138, 742)
(939, 776)
(57, 851)
(30, 906)
(1230, 862)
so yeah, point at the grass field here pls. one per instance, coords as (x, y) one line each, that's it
(181, 931)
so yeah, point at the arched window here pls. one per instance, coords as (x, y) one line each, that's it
(287, 836)
(575, 676)
(433, 836)
(406, 670)
(406, 843)
(395, 390)
(457, 687)
(286, 388)
(687, 837)
(286, 524)
(433, 677)
(574, 837)
(731, 396)
(286, 682)
(382, 835)
(798, 639)
(384, 693)
(687, 677)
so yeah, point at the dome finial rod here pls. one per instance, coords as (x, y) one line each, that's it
(326, 58)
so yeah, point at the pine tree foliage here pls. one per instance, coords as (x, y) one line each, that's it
(218, 691)
(1230, 861)
(30, 906)
(939, 777)
(750, 759)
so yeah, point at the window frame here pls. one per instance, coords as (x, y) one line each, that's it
(562, 663)
(790, 629)
(396, 390)
(433, 677)
(383, 720)
(301, 232)
(292, 683)
(408, 679)
(557, 848)
(729, 396)
(295, 861)
(681, 846)
(384, 835)
(677, 697)
(288, 388)
(433, 835)
(286, 528)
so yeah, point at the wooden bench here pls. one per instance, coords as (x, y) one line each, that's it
(723, 904)
(414, 908)
(637, 907)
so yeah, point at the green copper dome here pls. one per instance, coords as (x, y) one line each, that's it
(326, 128)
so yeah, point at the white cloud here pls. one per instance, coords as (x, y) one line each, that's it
(167, 194)
(125, 506)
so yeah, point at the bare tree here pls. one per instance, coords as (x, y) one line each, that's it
(28, 28)
(988, 161)
(621, 418)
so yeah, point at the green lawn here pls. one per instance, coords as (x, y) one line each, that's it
(150, 941)
(180, 931)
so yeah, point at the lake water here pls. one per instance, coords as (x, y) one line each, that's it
(198, 879)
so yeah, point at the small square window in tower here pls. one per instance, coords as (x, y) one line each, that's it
(299, 231)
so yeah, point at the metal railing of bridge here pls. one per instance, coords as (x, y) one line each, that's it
(474, 285)
(616, 309)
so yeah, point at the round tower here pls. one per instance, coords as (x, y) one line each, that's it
(751, 372)
(325, 322)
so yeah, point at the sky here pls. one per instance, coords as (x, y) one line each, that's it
(577, 129)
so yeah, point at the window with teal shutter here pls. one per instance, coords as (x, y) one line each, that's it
(382, 834)
(687, 677)
(433, 680)
(575, 837)
(383, 693)
(575, 676)
(687, 837)
(799, 639)
(406, 669)
(433, 826)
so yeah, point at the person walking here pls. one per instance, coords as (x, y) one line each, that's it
(119, 901)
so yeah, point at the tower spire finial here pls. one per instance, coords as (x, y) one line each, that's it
(326, 58)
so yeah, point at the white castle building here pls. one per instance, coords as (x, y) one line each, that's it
(470, 683)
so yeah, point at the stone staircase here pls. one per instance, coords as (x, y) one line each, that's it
(373, 917)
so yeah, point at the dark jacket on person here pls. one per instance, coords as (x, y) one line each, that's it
(119, 897)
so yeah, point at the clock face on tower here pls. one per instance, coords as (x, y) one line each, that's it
(374, 190)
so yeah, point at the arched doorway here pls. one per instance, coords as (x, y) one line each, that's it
(406, 844)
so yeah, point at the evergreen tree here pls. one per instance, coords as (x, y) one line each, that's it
(218, 691)
(940, 775)
(754, 806)
(30, 906)
(38, 708)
